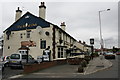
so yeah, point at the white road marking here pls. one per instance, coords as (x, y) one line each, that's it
(16, 76)
(56, 73)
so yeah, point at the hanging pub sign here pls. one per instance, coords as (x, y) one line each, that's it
(92, 41)
(28, 43)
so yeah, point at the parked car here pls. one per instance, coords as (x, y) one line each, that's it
(6, 60)
(117, 53)
(109, 55)
(19, 60)
(1, 58)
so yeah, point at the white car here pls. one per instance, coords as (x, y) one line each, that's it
(45, 57)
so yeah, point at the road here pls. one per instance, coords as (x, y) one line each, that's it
(111, 72)
(8, 72)
(1, 68)
(60, 72)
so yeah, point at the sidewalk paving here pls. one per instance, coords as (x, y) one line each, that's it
(97, 64)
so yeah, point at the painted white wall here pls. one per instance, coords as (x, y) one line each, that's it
(42, 12)
(15, 41)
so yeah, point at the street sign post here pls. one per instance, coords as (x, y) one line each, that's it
(92, 47)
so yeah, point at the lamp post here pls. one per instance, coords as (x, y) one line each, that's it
(101, 39)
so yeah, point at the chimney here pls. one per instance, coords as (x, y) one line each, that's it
(42, 10)
(63, 26)
(18, 14)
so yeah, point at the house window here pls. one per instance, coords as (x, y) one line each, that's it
(8, 47)
(43, 44)
(60, 35)
(60, 53)
(66, 37)
(28, 34)
(21, 35)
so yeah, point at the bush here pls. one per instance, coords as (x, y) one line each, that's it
(80, 69)
(84, 63)
(95, 54)
(87, 59)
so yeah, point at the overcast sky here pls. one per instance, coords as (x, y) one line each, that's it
(81, 18)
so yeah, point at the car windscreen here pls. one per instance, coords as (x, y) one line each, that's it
(109, 53)
(24, 56)
(15, 56)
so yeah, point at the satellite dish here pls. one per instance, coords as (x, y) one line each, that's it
(39, 29)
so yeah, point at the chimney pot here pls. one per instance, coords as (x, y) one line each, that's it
(18, 8)
(63, 26)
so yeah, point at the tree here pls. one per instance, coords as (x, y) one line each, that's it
(115, 49)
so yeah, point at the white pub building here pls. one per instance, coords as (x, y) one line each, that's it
(36, 34)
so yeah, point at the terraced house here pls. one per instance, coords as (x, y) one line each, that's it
(35, 33)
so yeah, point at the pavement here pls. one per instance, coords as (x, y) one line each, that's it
(97, 64)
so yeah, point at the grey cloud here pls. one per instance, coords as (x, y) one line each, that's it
(81, 17)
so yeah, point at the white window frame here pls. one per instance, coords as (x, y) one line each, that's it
(60, 52)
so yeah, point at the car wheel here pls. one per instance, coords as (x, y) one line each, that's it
(6, 65)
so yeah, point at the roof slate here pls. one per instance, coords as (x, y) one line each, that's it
(31, 20)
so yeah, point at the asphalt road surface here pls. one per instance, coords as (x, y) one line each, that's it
(111, 72)
(60, 72)
(8, 72)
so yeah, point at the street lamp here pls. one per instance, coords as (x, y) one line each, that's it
(101, 39)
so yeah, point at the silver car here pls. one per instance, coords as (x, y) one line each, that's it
(6, 60)
(19, 60)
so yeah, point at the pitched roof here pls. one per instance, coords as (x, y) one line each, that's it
(31, 21)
